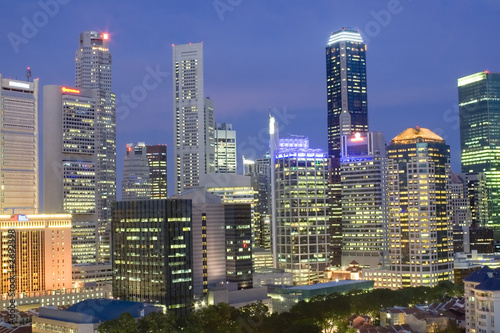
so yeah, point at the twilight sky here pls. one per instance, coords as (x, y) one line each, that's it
(260, 54)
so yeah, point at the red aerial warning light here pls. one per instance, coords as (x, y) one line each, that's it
(105, 36)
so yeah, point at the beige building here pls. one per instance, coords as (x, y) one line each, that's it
(42, 252)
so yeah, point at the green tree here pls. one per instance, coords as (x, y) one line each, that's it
(157, 322)
(123, 324)
(220, 318)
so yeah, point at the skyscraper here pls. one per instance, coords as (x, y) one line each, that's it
(260, 172)
(225, 148)
(93, 71)
(301, 209)
(70, 164)
(194, 142)
(144, 172)
(136, 184)
(346, 87)
(419, 212)
(364, 200)
(152, 253)
(479, 107)
(157, 160)
(19, 146)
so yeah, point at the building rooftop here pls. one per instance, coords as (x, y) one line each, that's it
(345, 35)
(97, 310)
(480, 275)
(327, 285)
(416, 134)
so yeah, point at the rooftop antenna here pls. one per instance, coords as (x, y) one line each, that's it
(28, 74)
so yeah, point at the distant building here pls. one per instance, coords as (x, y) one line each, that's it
(260, 173)
(157, 160)
(479, 109)
(364, 200)
(144, 172)
(285, 298)
(19, 145)
(225, 148)
(86, 316)
(230, 294)
(194, 138)
(152, 253)
(476, 190)
(136, 184)
(262, 258)
(482, 300)
(272, 277)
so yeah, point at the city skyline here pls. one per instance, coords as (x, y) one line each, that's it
(397, 82)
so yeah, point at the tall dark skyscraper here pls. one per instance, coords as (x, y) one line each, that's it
(346, 87)
(153, 253)
(479, 106)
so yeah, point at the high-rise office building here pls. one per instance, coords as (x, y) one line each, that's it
(301, 209)
(209, 239)
(461, 213)
(93, 72)
(144, 172)
(476, 190)
(419, 212)
(194, 140)
(260, 173)
(19, 145)
(225, 148)
(346, 87)
(239, 264)
(70, 164)
(479, 109)
(136, 184)
(152, 253)
(157, 160)
(364, 200)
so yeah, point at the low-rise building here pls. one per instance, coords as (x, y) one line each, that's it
(86, 316)
(482, 300)
(285, 298)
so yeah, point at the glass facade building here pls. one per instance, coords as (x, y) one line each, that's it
(152, 253)
(479, 108)
(364, 200)
(346, 87)
(301, 209)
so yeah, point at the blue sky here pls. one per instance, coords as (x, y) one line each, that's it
(261, 54)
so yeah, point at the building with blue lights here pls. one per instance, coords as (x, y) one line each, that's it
(301, 209)
(364, 200)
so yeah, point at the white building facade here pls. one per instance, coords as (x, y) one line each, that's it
(19, 146)
(194, 140)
